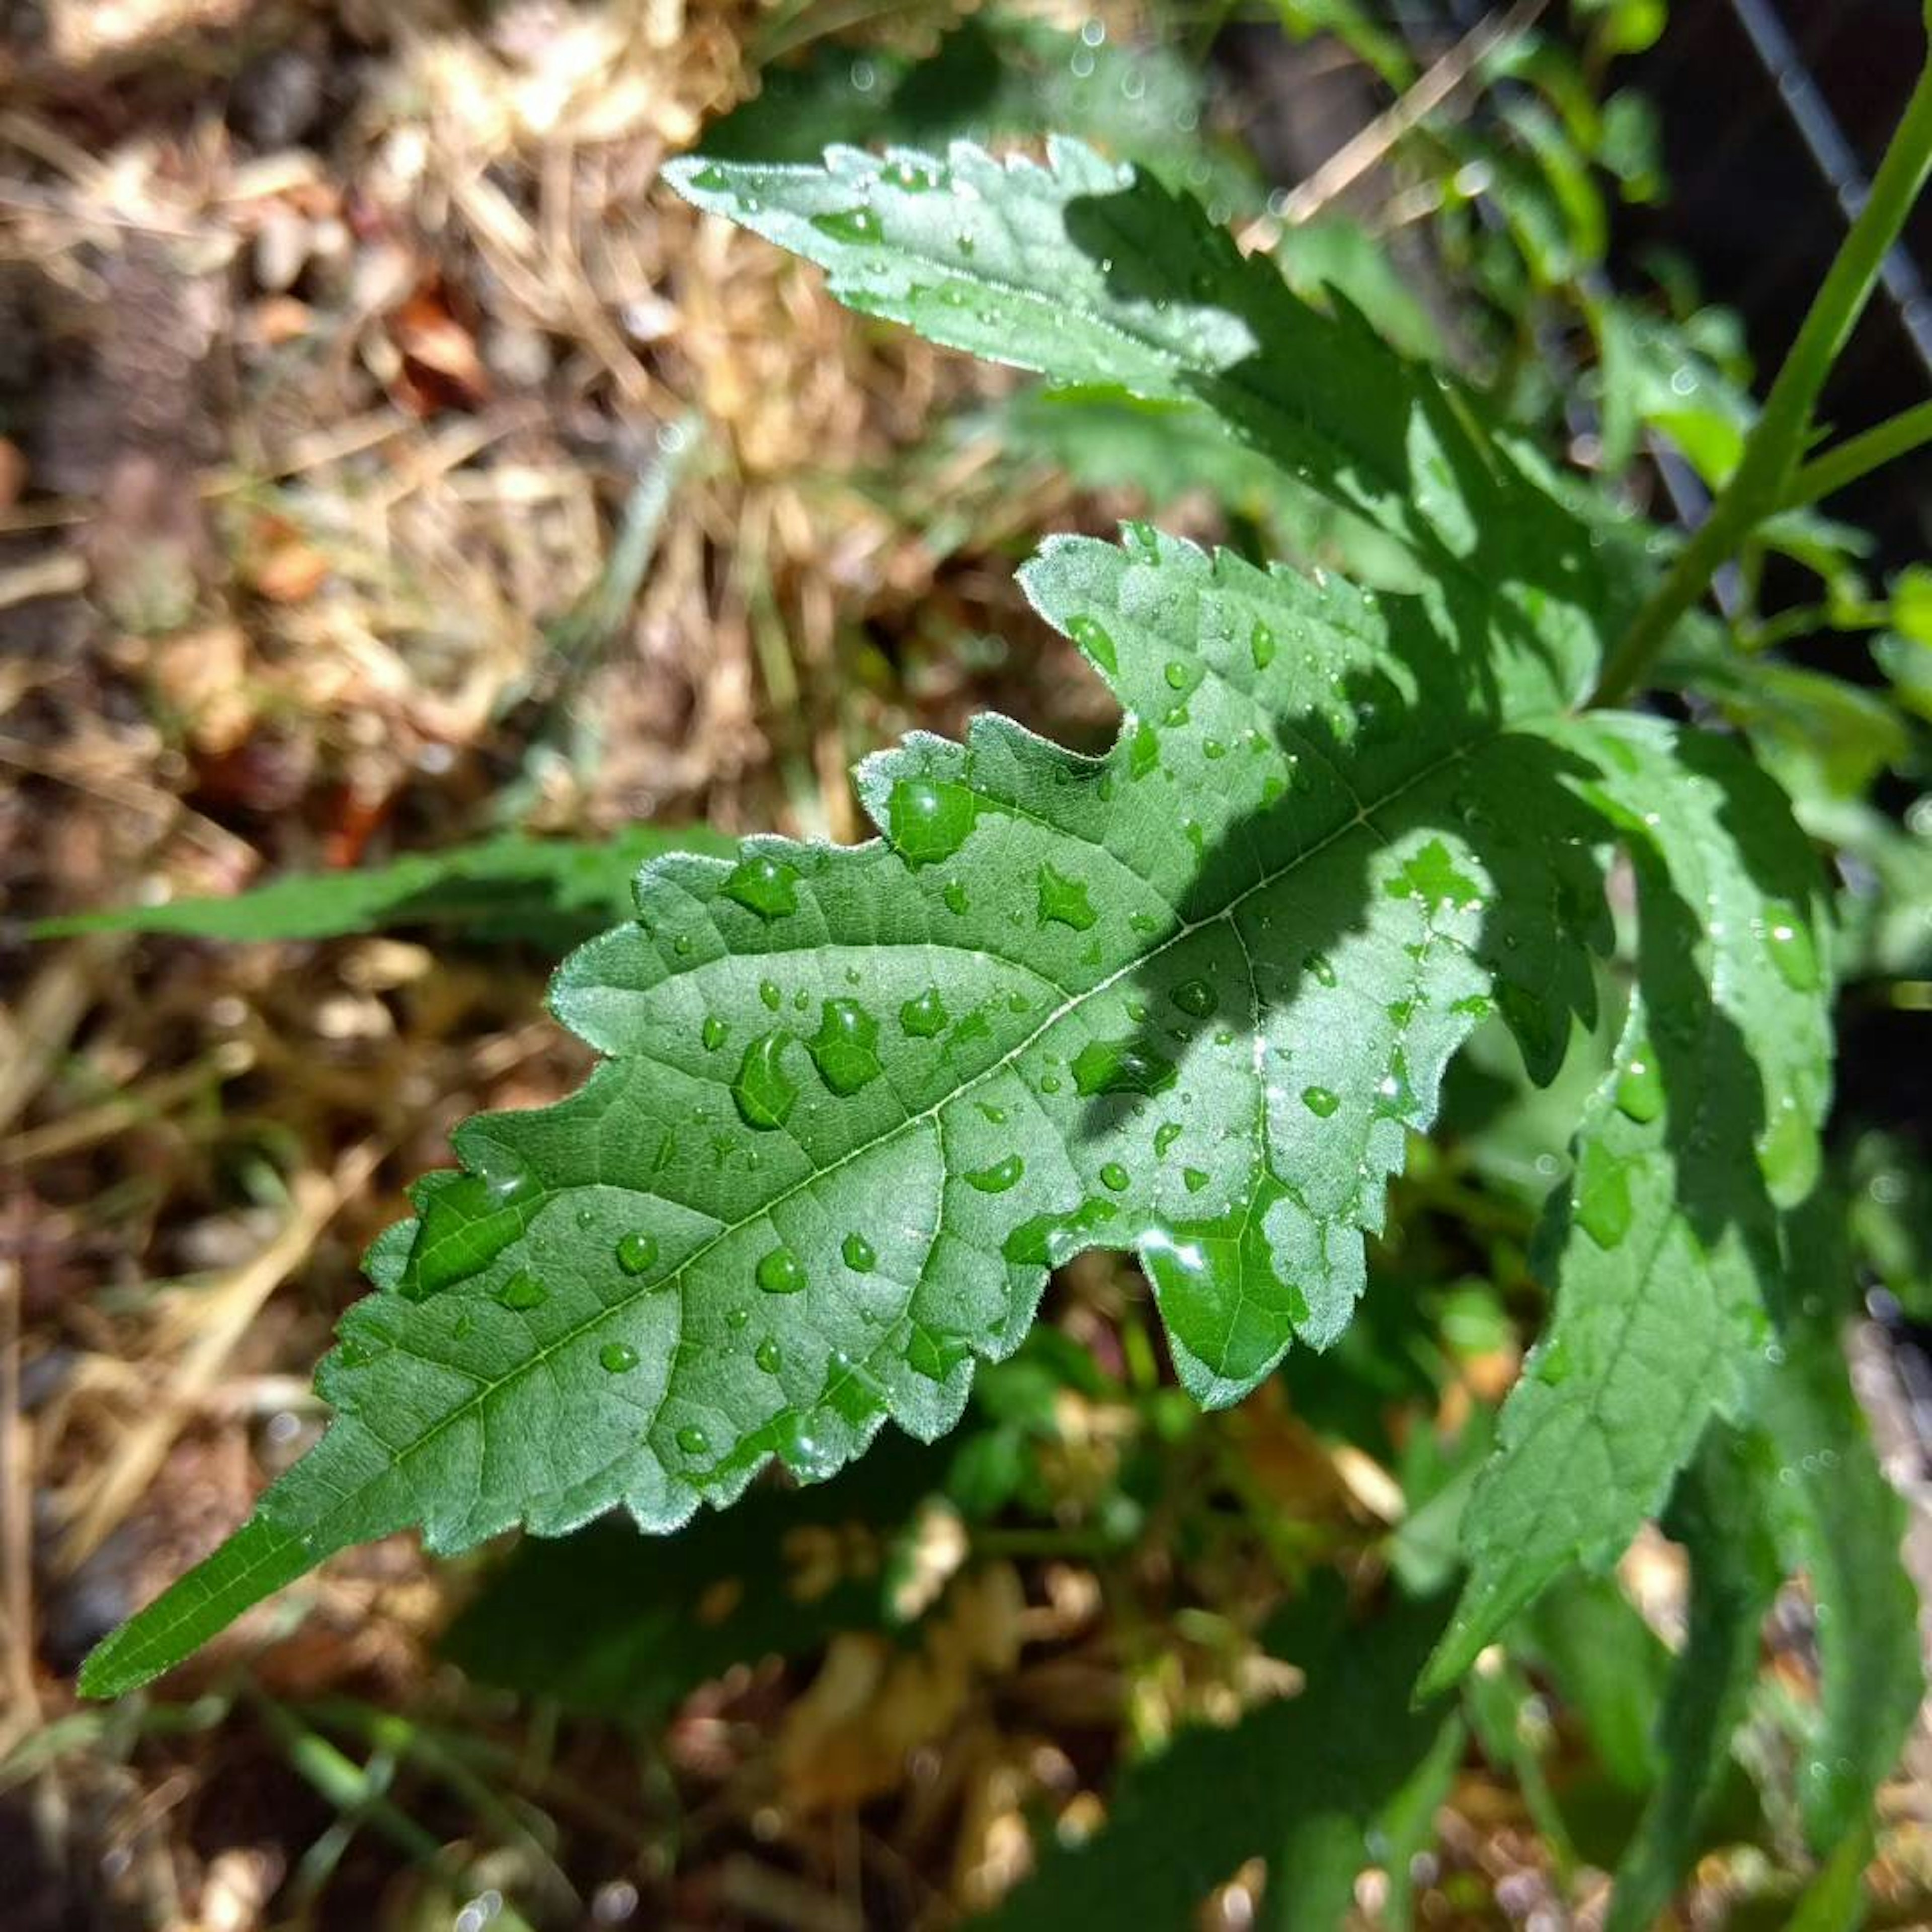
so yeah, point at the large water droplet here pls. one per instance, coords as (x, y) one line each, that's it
(769, 1356)
(637, 1251)
(780, 1272)
(954, 895)
(1788, 939)
(1640, 1086)
(859, 1254)
(692, 1440)
(845, 1048)
(929, 819)
(1114, 1176)
(508, 1176)
(765, 886)
(1321, 1101)
(1321, 969)
(1000, 1176)
(714, 1033)
(617, 1358)
(764, 1091)
(1090, 634)
(1603, 1195)
(1121, 1067)
(1166, 1135)
(925, 1014)
(1261, 645)
(1064, 901)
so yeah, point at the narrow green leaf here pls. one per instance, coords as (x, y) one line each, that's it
(555, 891)
(1096, 275)
(1663, 1246)
(1189, 999)
(1837, 1521)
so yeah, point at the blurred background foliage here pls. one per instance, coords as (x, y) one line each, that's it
(411, 517)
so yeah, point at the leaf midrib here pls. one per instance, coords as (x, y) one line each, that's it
(1362, 817)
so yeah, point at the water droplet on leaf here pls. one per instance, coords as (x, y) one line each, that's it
(763, 885)
(845, 1048)
(764, 1091)
(780, 1272)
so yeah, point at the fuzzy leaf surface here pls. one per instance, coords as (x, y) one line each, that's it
(1188, 998)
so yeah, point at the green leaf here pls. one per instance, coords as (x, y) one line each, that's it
(1664, 1246)
(555, 891)
(1734, 1575)
(1836, 1518)
(1609, 1664)
(1098, 276)
(1300, 1782)
(995, 74)
(1189, 998)
(1098, 438)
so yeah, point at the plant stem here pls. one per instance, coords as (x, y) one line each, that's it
(1857, 455)
(1777, 438)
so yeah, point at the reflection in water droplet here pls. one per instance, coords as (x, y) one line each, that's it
(1000, 1176)
(1261, 645)
(764, 1091)
(954, 895)
(1195, 996)
(714, 1033)
(1116, 1177)
(1321, 1101)
(924, 1015)
(860, 1254)
(929, 819)
(780, 1272)
(1166, 1135)
(617, 1358)
(770, 994)
(1195, 1178)
(764, 885)
(737, 1319)
(523, 1290)
(1321, 969)
(692, 1440)
(769, 1356)
(637, 1251)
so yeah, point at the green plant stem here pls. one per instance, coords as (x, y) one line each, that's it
(1777, 438)
(1858, 455)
